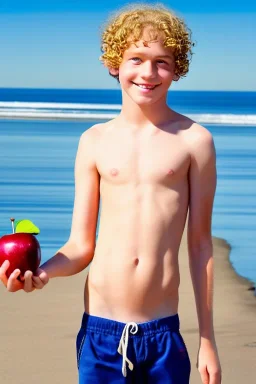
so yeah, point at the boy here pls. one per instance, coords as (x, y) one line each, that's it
(149, 165)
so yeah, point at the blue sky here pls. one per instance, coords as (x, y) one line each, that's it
(56, 44)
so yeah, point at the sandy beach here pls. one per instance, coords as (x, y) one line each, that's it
(38, 330)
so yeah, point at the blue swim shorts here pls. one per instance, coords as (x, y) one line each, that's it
(113, 352)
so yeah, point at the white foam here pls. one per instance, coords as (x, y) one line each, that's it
(223, 119)
(38, 105)
(70, 111)
(57, 115)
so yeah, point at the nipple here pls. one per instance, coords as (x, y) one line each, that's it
(170, 172)
(114, 171)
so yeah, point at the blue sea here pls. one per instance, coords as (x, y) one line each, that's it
(39, 134)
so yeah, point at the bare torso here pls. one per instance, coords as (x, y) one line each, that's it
(134, 275)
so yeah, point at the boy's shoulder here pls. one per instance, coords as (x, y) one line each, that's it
(92, 134)
(197, 138)
(95, 130)
(193, 132)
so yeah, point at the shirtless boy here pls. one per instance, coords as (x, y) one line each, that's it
(150, 166)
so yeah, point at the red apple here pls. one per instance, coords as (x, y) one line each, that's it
(22, 250)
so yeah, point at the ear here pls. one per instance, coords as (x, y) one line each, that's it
(176, 77)
(114, 71)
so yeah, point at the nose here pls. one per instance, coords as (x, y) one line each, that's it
(148, 70)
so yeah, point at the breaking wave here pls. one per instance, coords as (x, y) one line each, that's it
(96, 112)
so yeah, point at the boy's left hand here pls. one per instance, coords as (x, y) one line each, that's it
(208, 363)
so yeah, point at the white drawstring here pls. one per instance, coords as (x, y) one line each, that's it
(123, 344)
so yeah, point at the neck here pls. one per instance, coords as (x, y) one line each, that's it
(144, 115)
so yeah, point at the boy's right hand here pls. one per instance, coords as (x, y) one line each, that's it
(28, 282)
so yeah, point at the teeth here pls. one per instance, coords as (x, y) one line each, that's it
(146, 86)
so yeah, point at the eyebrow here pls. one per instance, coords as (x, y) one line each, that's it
(144, 54)
(165, 56)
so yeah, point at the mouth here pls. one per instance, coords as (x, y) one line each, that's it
(146, 86)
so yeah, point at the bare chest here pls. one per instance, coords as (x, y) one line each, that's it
(157, 159)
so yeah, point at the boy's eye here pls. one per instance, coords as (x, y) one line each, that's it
(136, 59)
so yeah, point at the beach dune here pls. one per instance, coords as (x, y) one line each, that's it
(38, 330)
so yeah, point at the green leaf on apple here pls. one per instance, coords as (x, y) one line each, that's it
(26, 226)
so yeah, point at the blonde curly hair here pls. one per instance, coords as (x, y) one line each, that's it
(128, 25)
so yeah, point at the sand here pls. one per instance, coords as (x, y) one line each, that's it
(38, 330)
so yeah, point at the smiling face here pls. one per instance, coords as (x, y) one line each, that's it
(146, 71)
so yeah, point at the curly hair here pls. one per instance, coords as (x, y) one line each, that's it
(128, 25)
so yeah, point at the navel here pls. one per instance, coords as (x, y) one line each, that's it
(136, 261)
(114, 172)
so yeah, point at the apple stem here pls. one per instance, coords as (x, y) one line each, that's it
(12, 220)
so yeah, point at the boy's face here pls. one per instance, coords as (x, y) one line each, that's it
(146, 71)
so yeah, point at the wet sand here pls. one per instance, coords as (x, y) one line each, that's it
(38, 330)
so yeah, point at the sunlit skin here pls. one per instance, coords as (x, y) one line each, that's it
(150, 165)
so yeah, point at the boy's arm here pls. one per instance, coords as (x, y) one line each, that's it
(78, 252)
(202, 185)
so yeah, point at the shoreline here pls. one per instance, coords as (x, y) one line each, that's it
(242, 280)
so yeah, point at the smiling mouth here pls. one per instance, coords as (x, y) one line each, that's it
(146, 86)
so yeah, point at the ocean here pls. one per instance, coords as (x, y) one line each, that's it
(39, 134)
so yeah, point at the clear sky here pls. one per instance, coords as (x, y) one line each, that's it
(56, 43)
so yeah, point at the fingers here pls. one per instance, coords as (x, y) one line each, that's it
(3, 270)
(212, 378)
(40, 279)
(24, 283)
(204, 375)
(28, 283)
(215, 378)
(13, 284)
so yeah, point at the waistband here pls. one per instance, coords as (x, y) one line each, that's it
(107, 326)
